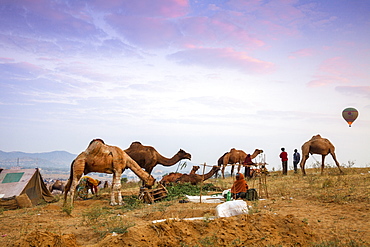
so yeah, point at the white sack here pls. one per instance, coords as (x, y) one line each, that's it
(231, 208)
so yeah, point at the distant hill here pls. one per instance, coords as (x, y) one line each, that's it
(60, 162)
(55, 159)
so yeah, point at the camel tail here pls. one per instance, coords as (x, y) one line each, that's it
(69, 182)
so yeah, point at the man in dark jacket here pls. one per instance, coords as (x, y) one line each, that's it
(296, 159)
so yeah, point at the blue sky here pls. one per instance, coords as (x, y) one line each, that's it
(204, 76)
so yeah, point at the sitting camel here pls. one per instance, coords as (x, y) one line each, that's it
(318, 145)
(235, 156)
(99, 157)
(173, 176)
(58, 185)
(195, 178)
(147, 157)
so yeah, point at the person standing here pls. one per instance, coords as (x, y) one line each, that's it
(248, 163)
(296, 159)
(284, 161)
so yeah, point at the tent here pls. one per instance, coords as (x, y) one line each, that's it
(24, 181)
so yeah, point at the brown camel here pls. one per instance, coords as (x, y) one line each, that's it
(195, 178)
(173, 176)
(318, 145)
(236, 156)
(99, 157)
(58, 185)
(147, 157)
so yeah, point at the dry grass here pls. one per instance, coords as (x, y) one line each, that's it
(334, 206)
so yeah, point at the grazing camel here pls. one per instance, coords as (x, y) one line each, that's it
(99, 157)
(318, 145)
(236, 156)
(147, 157)
(195, 178)
(58, 185)
(173, 176)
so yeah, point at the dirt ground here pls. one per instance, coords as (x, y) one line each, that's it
(297, 217)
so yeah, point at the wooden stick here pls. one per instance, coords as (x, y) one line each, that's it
(201, 183)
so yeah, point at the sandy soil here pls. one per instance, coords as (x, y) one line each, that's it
(275, 221)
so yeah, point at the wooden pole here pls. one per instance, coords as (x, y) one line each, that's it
(201, 183)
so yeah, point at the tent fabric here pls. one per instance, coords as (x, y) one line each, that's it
(24, 181)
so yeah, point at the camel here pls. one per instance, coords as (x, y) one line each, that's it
(173, 176)
(99, 157)
(195, 178)
(58, 185)
(235, 156)
(318, 145)
(147, 157)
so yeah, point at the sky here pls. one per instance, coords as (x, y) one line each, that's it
(203, 76)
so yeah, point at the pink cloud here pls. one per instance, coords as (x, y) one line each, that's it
(145, 31)
(354, 90)
(307, 52)
(323, 80)
(332, 71)
(222, 58)
(154, 8)
(6, 59)
(217, 31)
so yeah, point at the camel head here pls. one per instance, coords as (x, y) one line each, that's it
(216, 168)
(183, 155)
(150, 181)
(259, 151)
(196, 168)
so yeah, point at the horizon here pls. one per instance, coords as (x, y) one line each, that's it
(203, 76)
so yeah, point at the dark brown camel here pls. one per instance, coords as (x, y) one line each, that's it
(147, 157)
(195, 178)
(58, 185)
(173, 176)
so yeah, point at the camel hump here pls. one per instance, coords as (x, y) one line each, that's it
(135, 144)
(316, 137)
(96, 140)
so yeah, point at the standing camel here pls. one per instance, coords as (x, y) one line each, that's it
(318, 145)
(147, 157)
(99, 157)
(236, 156)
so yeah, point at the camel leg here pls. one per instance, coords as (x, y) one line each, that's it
(336, 161)
(239, 166)
(232, 170)
(322, 164)
(223, 171)
(302, 164)
(116, 189)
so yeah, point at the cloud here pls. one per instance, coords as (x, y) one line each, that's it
(222, 58)
(148, 32)
(306, 52)
(354, 90)
(332, 71)
(154, 8)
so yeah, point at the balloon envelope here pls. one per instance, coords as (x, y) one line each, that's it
(350, 115)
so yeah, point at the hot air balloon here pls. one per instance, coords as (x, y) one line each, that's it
(350, 115)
